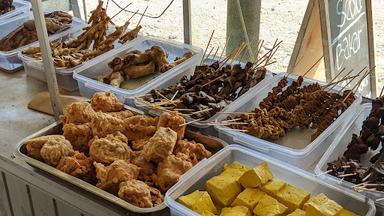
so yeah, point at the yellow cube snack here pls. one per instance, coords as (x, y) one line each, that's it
(269, 206)
(235, 211)
(222, 189)
(248, 198)
(207, 213)
(198, 201)
(235, 170)
(273, 186)
(345, 212)
(256, 176)
(297, 212)
(292, 197)
(320, 205)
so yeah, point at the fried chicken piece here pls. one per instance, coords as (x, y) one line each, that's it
(106, 102)
(111, 148)
(139, 126)
(169, 171)
(136, 192)
(54, 149)
(147, 168)
(78, 135)
(139, 144)
(122, 114)
(77, 165)
(160, 145)
(193, 151)
(77, 112)
(173, 121)
(111, 176)
(103, 124)
(34, 145)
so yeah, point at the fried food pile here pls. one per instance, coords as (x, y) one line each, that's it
(243, 191)
(208, 91)
(291, 106)
(6, 6)
(56, 22)
(135, 157)
(93, 42)
(349, 166)
(136, 64)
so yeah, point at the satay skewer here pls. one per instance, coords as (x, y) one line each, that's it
(206, 48)
(206, 58)
(351, 80)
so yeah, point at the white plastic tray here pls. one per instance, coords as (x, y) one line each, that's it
(296, 147)
(88, 86)
(339, 146)
(20, 7)
(9, 60)
(198, 175)
(204, 124)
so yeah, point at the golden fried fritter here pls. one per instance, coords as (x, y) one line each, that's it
(111, 176)
(122, 114)
(147, 169)
(111, 148)
(78, 113)
(54, 149)
(136, 192)
(160, 145)
(139, 126)
(173, 121)
(106, 102)
(34, 145)
(194, 152)
(139, 144)
(156, 196)
(77, 165)
(169, 171)
(78, 135)
(103, 124)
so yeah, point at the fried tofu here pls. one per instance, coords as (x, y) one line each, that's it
(198, 201)
(269, 206)
(292, 197)
(235, 170)
(235, 211)
(273, 187)
(222, 189)
(321, 205)
(248, 198)
(256, 177)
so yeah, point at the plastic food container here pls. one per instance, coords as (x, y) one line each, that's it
(198, 175)
(35, 68)
(9, 60)
(203, 125)
(294, 147)
(20, 7)
(86, 74)
(339, 145)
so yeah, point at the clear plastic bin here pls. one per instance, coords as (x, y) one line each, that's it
(88, 86)
(35, 68)
(20, 7)
(9, 60)
(203, 125)
(296, 147)
(198, 175)
(339, 146)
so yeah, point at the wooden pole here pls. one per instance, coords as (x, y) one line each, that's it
(49, 68)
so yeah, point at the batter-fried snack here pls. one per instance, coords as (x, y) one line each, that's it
(111, 148)
(78, 135)
(54, 149)
(192, 151)
(103, 124)
(78, 113)
(106, 102)
(139, 126)
(173, 121)
(147, 168)
(122, 114)
(34, 145)
(160, 145)
(136, 192)
(77, 165)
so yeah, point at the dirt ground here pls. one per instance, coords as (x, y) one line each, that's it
(279, 19)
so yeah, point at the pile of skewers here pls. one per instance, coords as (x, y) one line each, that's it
(348, 167)
(296, 106)
(93, 42)
(212, 86)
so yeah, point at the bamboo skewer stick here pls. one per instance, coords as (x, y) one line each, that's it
(358, 84)
(347, 175)
(206, 58)
(334, 78)
(187, 123)
(351, 80)
(381, 92)
(312, 66)
(323, 173)
(120, 11)
(206, 48)
(214, 56)
(133, 15)
(225, 46)
(141, 18)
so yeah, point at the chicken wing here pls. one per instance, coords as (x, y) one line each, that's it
(106, 102)
(111, 148)
(136, 192)
(34, 145)
(169, 171)
(139, 126)
(77, 165)
(54, 149)
(173, 121)
(111, 176)
(78, 135)
(194, 152)
(77, 112)
(160, 145)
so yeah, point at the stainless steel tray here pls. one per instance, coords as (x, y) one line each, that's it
(211, 143)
